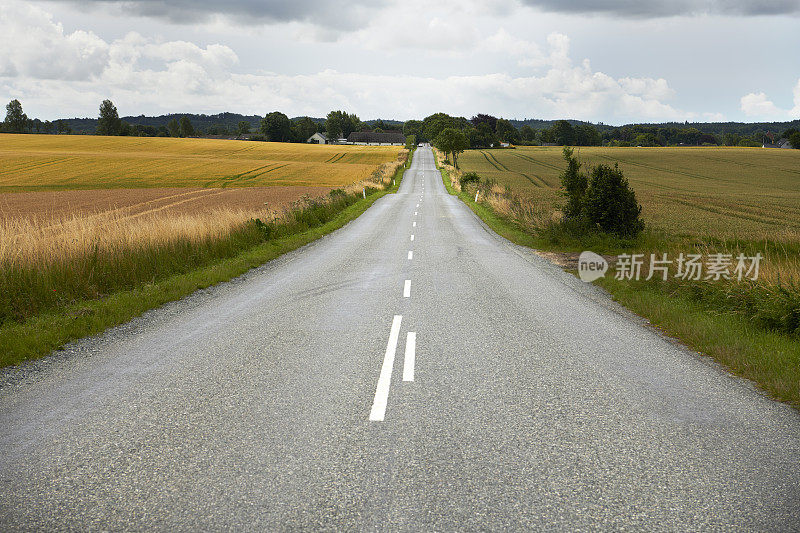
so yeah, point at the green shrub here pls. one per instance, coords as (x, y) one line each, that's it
(574, 184)
(610, 203)
(469, 178)
(602, 201)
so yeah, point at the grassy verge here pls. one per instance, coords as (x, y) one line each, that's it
(770, 359)
(743, 332)
(55, 325)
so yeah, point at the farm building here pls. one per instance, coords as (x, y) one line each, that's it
(318, 138)
(382, 138)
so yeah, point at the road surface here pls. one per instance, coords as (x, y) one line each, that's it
(411, 371)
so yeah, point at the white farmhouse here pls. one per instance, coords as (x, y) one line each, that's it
(318, 138)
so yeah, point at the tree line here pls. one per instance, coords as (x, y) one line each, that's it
(480, 131)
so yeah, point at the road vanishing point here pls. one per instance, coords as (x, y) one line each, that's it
(411, 371)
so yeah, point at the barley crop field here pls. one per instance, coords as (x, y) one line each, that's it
(83, 217)
(62, 195)
(47, 207)
(747, 193)
(69, 162)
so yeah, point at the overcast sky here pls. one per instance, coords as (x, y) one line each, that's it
(616, 61)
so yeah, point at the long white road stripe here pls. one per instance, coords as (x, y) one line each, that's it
(410, 255)
(411, 356)
(407, 289)
(382, 390)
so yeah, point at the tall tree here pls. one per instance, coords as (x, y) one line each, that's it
(353, 123)
(334, 124)
(16, 120)
(276, 127)
(174, 128)
(304, 128)
(243, 128)
(794, 139)
(506, 132)
(480, 118)
(413, 127)
(481, 136)
(574, 184)
(434, 124)
(62, 127)
(186, 128)
(527, 133)
(109, 122)
(452, 141)
(340, 124)
(563, 133)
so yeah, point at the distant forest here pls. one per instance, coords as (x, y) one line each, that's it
(480, 131)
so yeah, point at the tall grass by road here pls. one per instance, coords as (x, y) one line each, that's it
(56, 275)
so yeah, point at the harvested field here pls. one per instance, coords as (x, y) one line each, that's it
(48, 206)
(59, 162)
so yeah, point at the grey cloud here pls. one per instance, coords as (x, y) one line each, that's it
(666, 8)
(335, 14)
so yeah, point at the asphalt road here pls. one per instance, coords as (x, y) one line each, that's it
(287, 400)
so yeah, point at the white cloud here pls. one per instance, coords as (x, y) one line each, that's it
(33, 45)
(145, 75)
(759, 106)
(795, 112)
(528, 53)
(714, 117)
(686, 8)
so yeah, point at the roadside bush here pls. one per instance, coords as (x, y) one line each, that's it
(469, 178)
(610, 203)
(601, 201)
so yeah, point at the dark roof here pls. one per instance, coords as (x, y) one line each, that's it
(372, 137)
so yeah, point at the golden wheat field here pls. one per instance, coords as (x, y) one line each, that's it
(64, 162)
(80, 194)
(45, 207)
(707, 191)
